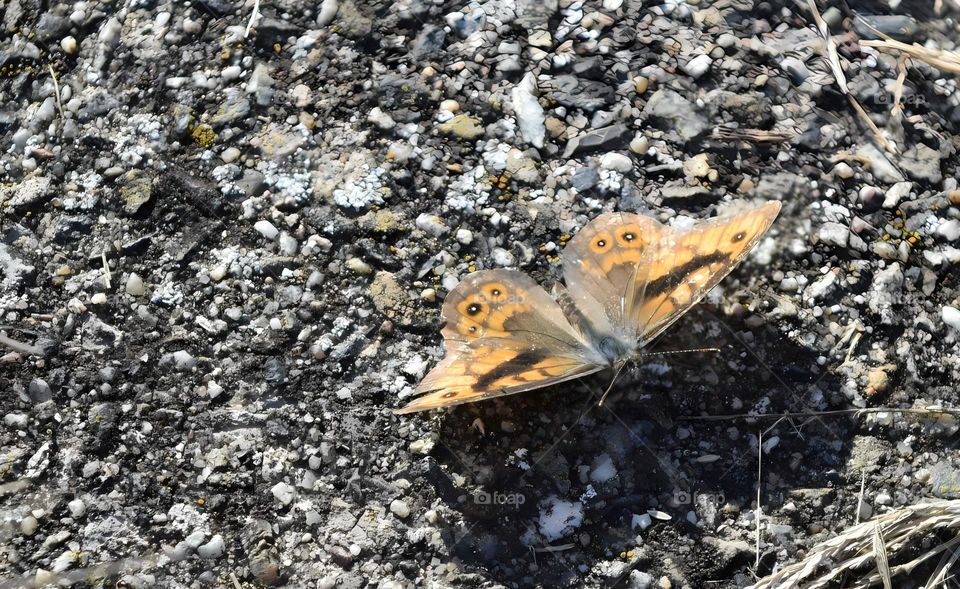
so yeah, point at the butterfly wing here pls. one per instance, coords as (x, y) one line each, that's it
(600, 268)
(677, 271)
(503, 335)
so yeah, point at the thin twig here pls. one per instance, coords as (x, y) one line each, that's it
(758, 514)
(930, 410)
(863, 488)
(106, 268)
(21, 347)
(56, 90)
(253, 17)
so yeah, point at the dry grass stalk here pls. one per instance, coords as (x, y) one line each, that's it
(853, 552)
(751, 135)
(880, 555)
(833, 58)
(948, 61)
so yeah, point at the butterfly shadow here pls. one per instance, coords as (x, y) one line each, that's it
(548, 484)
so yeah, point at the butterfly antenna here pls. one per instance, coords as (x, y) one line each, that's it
(612, 382)
(669, 352)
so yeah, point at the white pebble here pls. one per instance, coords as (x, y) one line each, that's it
(77, 508)
(697, 66)
(431, 224)
(465, 236)
(951, 316)
(639, 144)
(616, 161)
(843, 170)
(266, 229)
(214, 389)
(218, 273)
(231, 72)
(135, 285)
(98, 298)
(400, 508)
(230, 155)
(283, 492)
(502, 257)
(212, 549)
(328, 10)
(949, 230)
(69, 45)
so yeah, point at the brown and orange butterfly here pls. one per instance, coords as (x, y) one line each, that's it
(628, 277)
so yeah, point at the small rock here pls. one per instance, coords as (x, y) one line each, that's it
(283, 493)
(381, 119)
(230, 155)
(327, 12)
(540, 39)
(28, 525)
(896, 193)
(462, 126)
(697, 66)
(951, 318)
(400, 508)
(69, 45)
(697, 167)
(212, 549)
(432, 225)
(834, 234)
(843, 170)
(77, 508)
(612, 137)
(529, 113)
(676, 115)
(358, 266)
(585, 179)
(266, 229)
(465, 236)
(949, 230)
(617, 162)
(640, 144)
(502, 257)
(135, 286)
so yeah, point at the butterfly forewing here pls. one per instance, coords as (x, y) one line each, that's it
(599, 265)
(676, 272)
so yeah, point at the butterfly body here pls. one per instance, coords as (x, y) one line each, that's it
(627, 276)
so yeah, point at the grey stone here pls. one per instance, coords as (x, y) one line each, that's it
(585, 179)
(922, 163)
(587, 95)
(234, 108)
(675, 115)
(608, 138)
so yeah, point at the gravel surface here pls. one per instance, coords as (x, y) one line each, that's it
(227, 228)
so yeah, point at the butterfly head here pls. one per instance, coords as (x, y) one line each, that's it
(613, 350)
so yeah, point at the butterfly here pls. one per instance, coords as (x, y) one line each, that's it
(627, 276)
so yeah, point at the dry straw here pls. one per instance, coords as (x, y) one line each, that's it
(863, 554)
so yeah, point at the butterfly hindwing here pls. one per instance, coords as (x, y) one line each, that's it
(503, 335)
